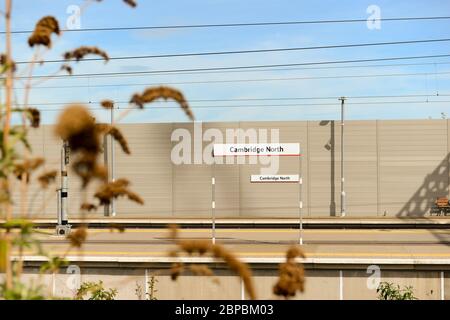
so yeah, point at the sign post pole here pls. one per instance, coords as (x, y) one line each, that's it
(213, 201)
(300, 204)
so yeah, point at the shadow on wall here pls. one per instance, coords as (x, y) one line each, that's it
(435, 185)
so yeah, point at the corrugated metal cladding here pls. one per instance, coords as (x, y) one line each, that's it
(393, 168)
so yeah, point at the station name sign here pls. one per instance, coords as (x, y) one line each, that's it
(257, 149)
(275, 178)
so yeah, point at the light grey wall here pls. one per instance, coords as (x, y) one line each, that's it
(320, 283)
(392, 168)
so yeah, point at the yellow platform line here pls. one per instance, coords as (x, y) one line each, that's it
(310, 231)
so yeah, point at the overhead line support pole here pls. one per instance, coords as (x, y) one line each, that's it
(342, 99)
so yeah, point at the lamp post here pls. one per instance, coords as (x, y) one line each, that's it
(110, 210)
(342, 99)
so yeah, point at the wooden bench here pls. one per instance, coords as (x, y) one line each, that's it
(442, 206)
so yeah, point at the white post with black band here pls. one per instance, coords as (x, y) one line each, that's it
(63, 227)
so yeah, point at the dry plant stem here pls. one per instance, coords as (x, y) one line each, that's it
(24, 195)
(8, 94)
(20, 262)
(35, 58)
(33, 197)
(24, 185)
(42, 80)
(6, 128)
(30, 73)
(124, 113)
(44, 204)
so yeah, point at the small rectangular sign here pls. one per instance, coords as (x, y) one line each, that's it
(275, 178)
(257, 149)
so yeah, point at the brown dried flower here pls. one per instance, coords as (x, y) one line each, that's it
(88, 207)
(151, 94)
(34, 115)
(195, 246)
(67, 68)
(7, 64)
(77, 126)
(291, 275)
(115, 226)
(107, 104)
(87, 168)
(26, 167)
(173, 231)
(294, 252)
(47, 178)
(43, 31)
(237, 266)
(217, 251)
(116, 134)
(77, 237)
(176, 270)
(116, 189)
(79, 53)
(131, 3)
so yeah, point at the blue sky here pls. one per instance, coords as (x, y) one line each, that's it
(113, 13)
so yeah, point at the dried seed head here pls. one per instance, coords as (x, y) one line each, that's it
(195, 246)
(107, 104)
(173, 231)
(47, 178)
(135, 197)
(67, 68)
(115, 189)
(131, 3)
(87, 168)
(7, 64)
(43, 31)
(79, 53)
(34, 115)
(237, 266)
(294, 252)
(88, 207)
(173, 254)
(115, 226)
(204, 246)
(116, 134)
(26, 167)
(151, 94)
(77, 126)
(77, 237)
(291, 275)
(176, 270)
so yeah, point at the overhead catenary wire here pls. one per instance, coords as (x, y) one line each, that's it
(232, 52)
(273, 99)
(169, 71)
(291, 105)
(212, 81)
(241, 24)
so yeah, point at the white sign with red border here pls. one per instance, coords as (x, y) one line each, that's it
(286, 178)
(257, 149)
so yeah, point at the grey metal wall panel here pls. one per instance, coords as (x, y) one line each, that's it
(270, 199)
(148, 168)
(392, 168)
(413, 165)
